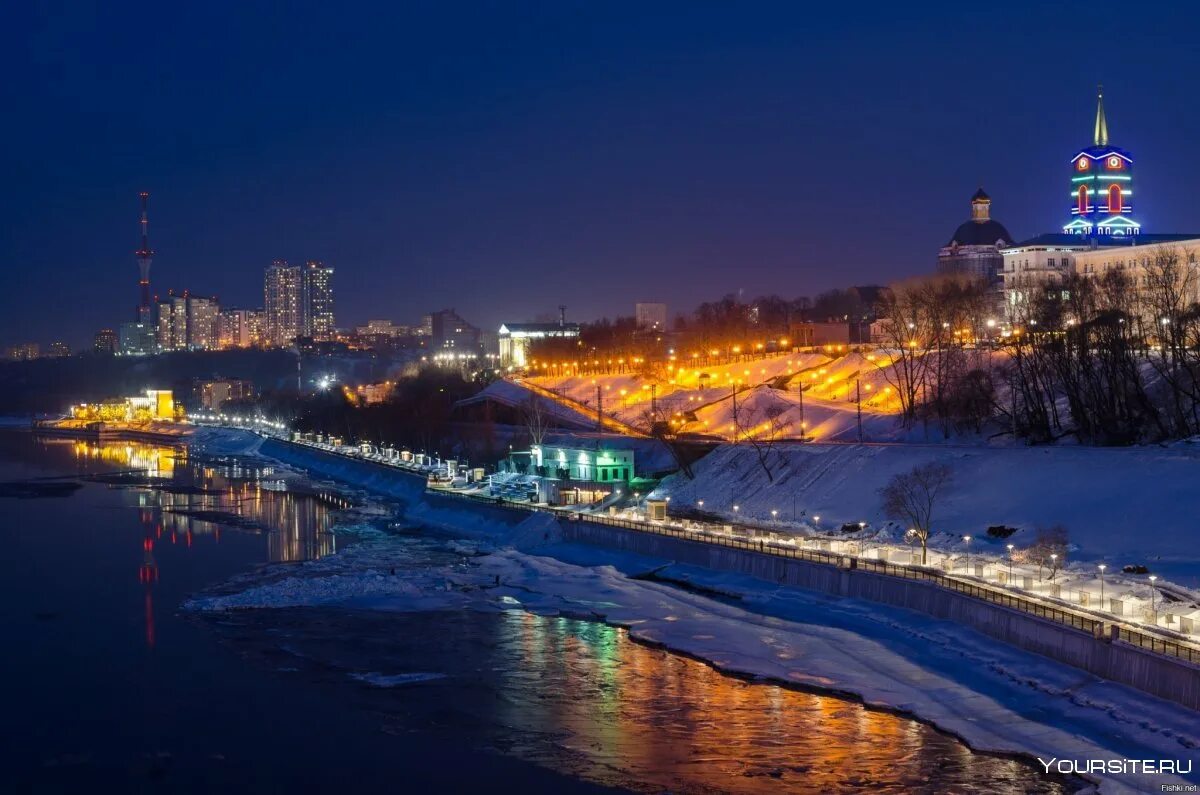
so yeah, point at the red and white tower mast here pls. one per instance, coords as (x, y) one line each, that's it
(144, 257)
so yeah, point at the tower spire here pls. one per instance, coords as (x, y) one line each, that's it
(1101, 135)
(144, 257)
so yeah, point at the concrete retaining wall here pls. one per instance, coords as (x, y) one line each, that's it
(378, 478)
(1164, 677)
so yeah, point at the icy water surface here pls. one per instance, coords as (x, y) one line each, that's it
(109, 688)
(106, 688)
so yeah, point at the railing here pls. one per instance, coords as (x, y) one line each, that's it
(980, 591)
(1158, 645)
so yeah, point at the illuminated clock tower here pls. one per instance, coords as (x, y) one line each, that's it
(1102, 186)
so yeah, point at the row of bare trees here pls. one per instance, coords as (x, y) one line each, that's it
(1112, 358)
(931, 329)
(1109, 358)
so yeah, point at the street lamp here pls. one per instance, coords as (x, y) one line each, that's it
(1053, 565)
(967, 542)
(700, 503)
(1153, 602)
(1010, 557)
(1102, 567)
(774, 515)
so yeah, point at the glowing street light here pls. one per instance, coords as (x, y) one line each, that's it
(1010, 557)
(1102, 567)
(1053, 565)
(1153, 601)
(967, 541)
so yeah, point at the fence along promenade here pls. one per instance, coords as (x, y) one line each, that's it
(1034, 606)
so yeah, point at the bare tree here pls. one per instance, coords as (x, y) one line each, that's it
(1049, 549)
(911, 497)
(762, 427)
(904, 366)
(536, 417)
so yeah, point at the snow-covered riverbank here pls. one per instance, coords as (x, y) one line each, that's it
(993, 696)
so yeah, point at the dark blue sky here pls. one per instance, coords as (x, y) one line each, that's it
(506, 157)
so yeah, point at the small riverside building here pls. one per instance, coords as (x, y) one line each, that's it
(572, 475)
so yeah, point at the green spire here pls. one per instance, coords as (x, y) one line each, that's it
(1101, 124)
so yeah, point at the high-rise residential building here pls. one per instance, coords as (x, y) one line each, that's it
(452, 334)
(256, 325)
(187, 322)
(202, 313)
(317, 306)
(137, 339)
(58, 350)
(105, 341)
(239, 328)
(650, 315)
(171, 331)
(283, 294)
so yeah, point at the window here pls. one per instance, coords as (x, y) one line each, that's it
(1114, 198)
(1083, 200)
(1050, 262)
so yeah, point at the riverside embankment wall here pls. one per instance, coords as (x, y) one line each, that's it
(1166, 677)
(378, 478)
(1174, 680)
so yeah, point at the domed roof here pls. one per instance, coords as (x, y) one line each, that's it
(981, 233)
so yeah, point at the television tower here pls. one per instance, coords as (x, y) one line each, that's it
(144, 257)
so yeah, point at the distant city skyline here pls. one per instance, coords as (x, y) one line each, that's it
(504, 163)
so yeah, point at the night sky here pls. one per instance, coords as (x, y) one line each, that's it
(504, 158)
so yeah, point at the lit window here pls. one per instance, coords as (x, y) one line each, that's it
(1114, 198)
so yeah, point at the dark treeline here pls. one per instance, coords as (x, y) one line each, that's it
(725, 322)
(417, 414)
(52, 385)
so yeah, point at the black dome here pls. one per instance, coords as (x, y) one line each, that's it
(980, 233)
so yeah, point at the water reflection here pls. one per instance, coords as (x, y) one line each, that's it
(182, 502)
(630, 712)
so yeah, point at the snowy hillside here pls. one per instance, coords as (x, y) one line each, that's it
(811, 395)
(1127, 505)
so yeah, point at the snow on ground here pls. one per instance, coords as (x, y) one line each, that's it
(215, 440)
(1119, 505)
(818, 393)
(994, 696)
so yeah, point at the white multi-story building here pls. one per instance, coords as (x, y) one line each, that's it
(239, 328)
(283, 294)
(317, 307)
(187, 322)
(515, 339)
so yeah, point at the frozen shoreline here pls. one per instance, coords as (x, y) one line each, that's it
(993, 697)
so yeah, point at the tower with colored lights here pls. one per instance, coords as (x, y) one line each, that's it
(1102, 185)
(145, 311)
